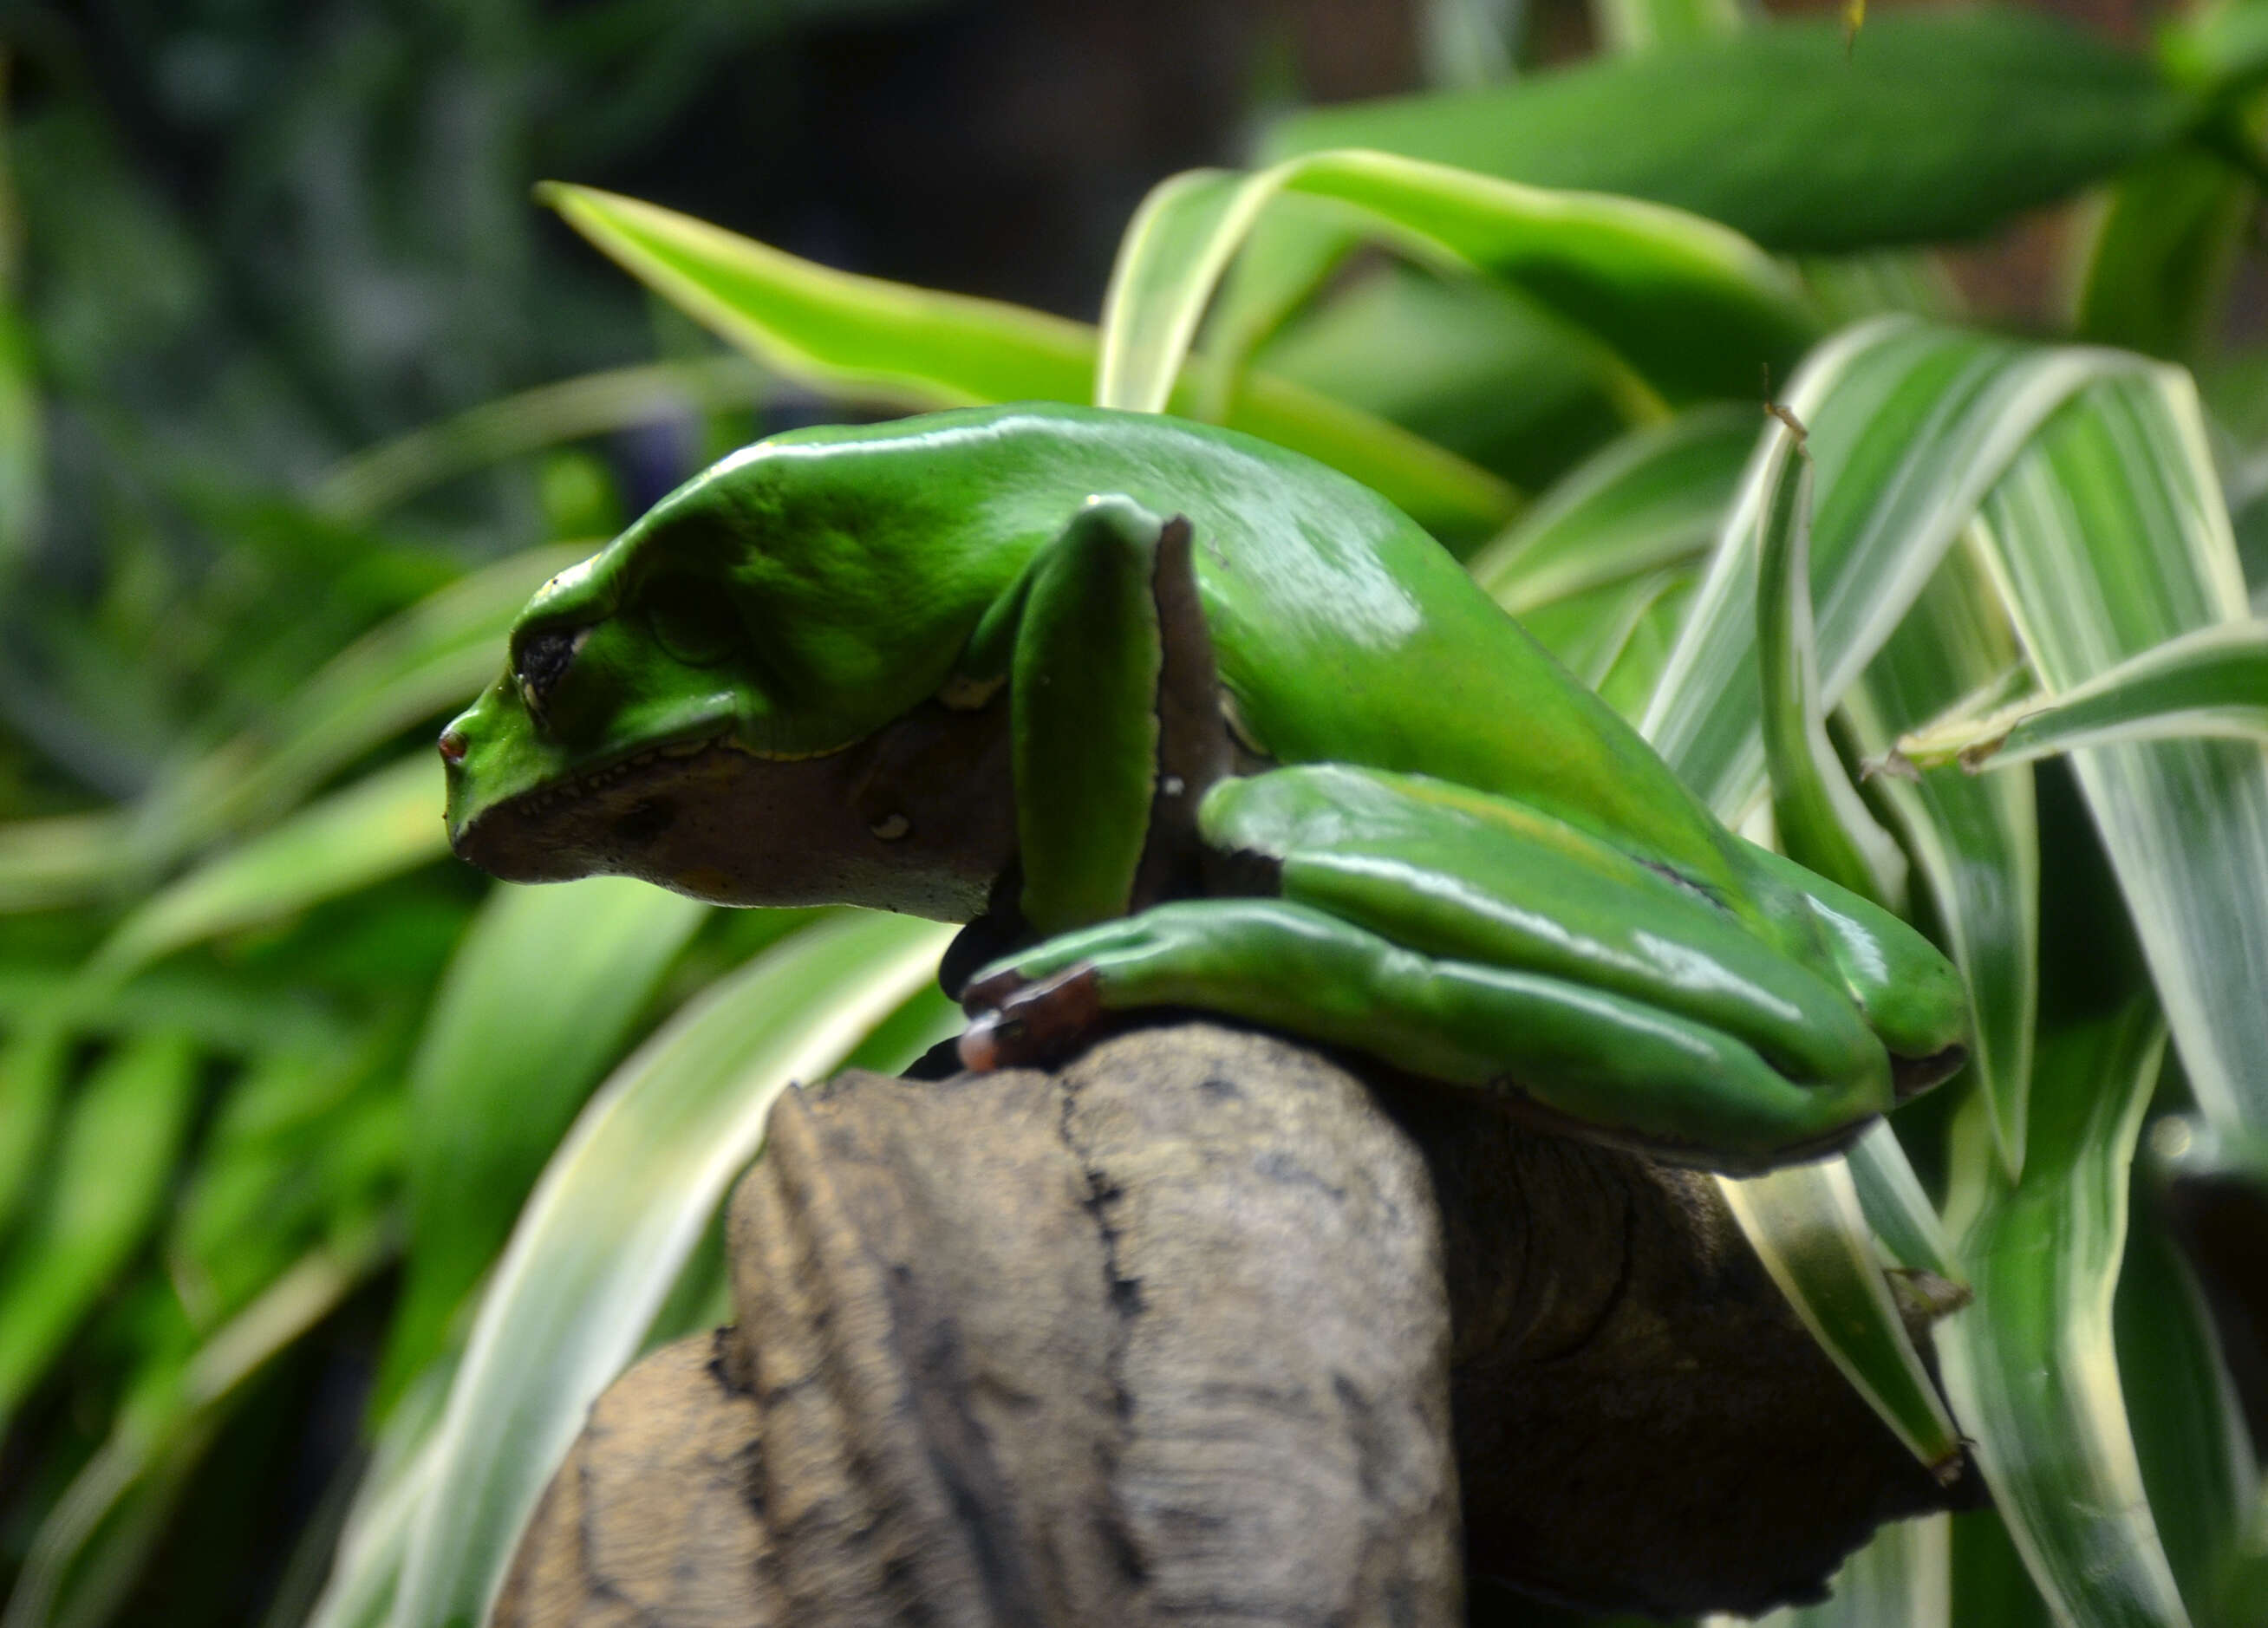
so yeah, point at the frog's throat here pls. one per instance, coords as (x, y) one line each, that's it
(916, 818)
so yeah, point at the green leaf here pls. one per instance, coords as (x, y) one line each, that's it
(1654, 497)
(2163, 252)
(2212, 680)
(2190, 1435)
(62, 860)
(1975, 842)
(537, 1002)
(917, 348)
(1690, 307)
(32, 1064)
(620, 1207)
(1807, 1228)
(1820, 821)
(23, 438)
(2030, 1365)
(1911, 425)
(1939, 124)
(161, 1434)
(571, 409)
(2108, 537)
(375, 829)
(111, 1168)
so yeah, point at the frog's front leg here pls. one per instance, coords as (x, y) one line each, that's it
(1113, 714)
(1472, 939)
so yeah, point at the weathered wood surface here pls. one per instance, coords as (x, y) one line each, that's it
(1178, 1334)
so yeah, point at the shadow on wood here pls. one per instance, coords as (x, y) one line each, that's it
(1178, 1332)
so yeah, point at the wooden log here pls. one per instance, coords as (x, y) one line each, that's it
(1178, 1332)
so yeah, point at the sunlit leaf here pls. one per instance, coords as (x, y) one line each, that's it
(1808, 1230)
(620, 1206)
(2030, 1365)
(1939, 123)
(1692, 308)
(918, 348)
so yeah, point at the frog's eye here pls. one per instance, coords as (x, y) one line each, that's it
(542, 661)
(691, 619)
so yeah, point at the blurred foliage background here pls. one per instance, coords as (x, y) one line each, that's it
(300, 394)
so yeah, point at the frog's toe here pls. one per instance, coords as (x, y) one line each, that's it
(1014, 1020)
(1909, 1077)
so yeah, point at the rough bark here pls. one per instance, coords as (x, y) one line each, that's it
(1178, 1333)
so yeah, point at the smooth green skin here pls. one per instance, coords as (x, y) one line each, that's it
(1485, 873)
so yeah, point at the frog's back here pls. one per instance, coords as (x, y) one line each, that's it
(1343, 630)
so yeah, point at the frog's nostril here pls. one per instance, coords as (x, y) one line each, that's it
(452, 745)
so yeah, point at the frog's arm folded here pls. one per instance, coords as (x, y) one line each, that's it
(1103, 645)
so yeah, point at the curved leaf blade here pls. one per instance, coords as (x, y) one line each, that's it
(388, 822)
(1819, 820)
(1689, 306)
(917, 348)
(2031, 1364)
(1975, 842)
(1807, 1228)
(1910, 425)
(1654, 497)
(536, 1003)
(2211, 682)
(2108, 537)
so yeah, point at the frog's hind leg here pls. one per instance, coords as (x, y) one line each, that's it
(1911, 995)
(1620, 1070)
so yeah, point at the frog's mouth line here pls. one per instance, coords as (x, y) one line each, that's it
(580, 788)
(607, 818)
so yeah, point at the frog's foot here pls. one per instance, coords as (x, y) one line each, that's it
(1620, 1070)
(1911, 995)
(1018, 1021)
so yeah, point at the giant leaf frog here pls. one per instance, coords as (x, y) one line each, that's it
(1179, 717)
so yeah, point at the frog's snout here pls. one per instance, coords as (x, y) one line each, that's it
(452, 745)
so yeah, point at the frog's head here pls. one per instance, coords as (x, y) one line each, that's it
(676, 709)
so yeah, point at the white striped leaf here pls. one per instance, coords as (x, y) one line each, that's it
(617, 1212)
(2212, 680)
(1690, 307)
(1975, 842)
(2030, 1365)
(1910, 425)
(2108, 537)
(1654, 498)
